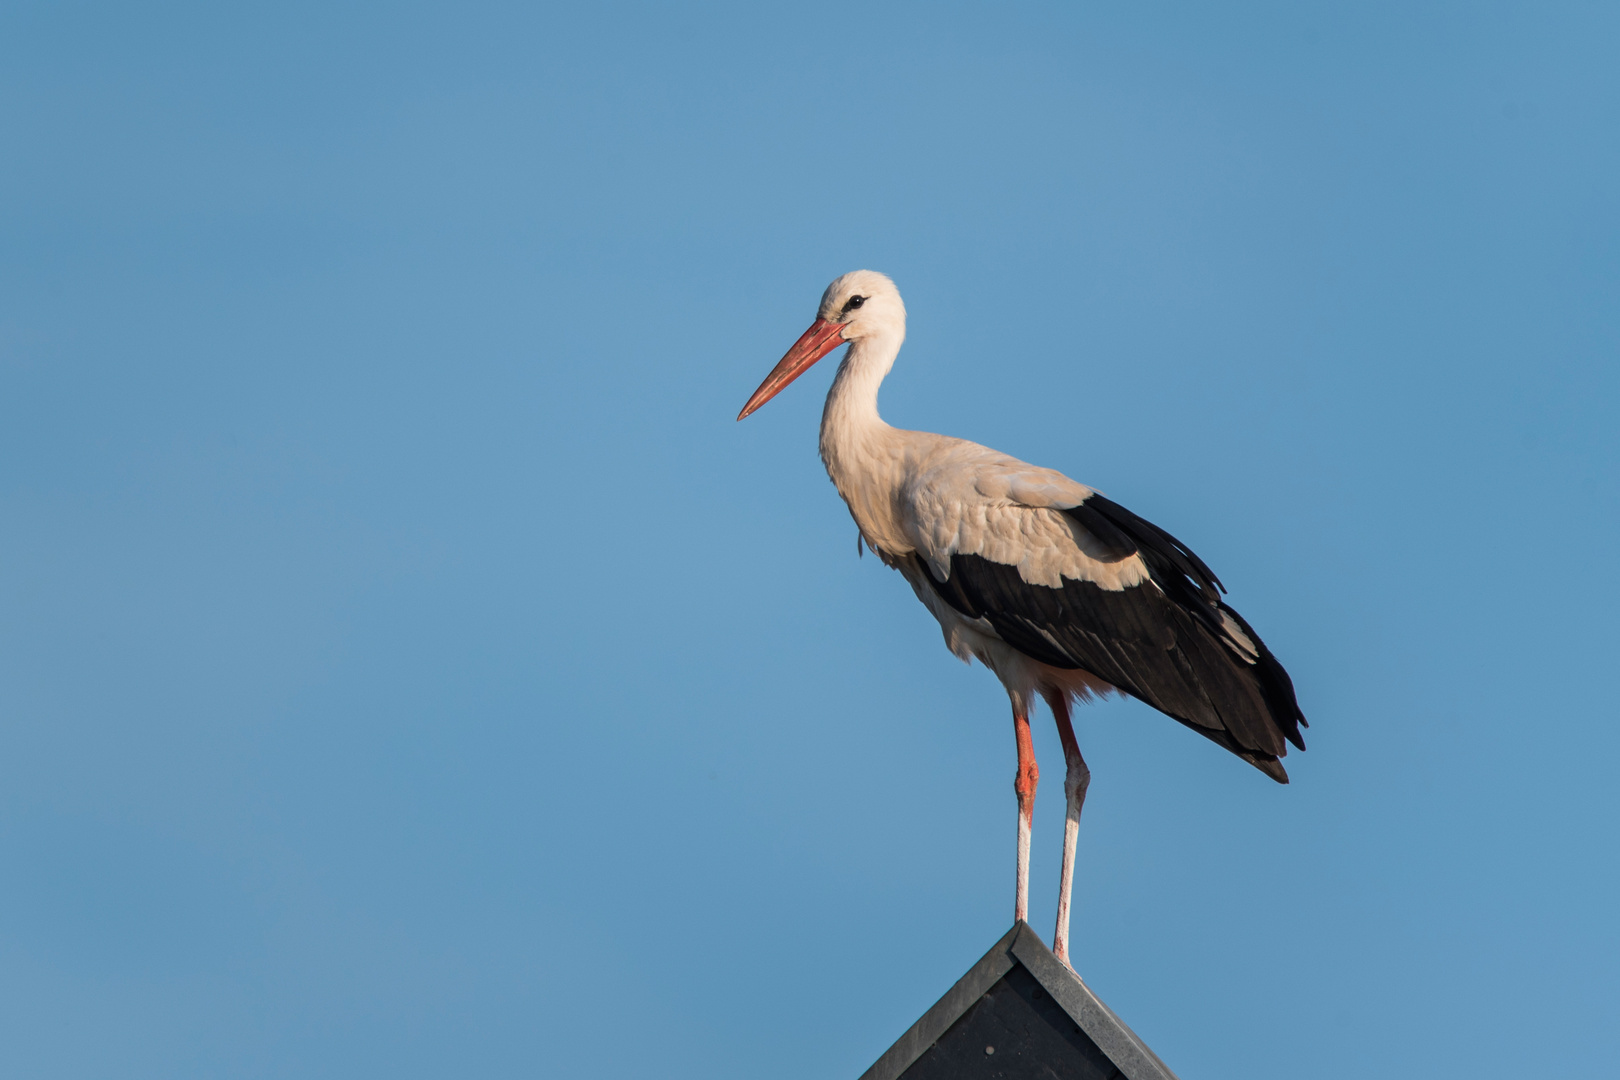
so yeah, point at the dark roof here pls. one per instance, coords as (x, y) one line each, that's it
(1019, 1012)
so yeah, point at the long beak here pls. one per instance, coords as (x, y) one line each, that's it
(822, 338)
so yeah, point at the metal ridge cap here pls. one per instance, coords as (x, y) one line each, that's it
(1111, 1034)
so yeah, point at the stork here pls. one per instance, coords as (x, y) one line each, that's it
(1062, 593)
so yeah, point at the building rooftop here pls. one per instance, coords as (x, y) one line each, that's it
(1018, 1013)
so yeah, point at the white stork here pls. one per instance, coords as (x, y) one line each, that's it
(1058, 590)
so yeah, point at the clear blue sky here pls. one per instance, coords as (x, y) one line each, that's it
(409, 669)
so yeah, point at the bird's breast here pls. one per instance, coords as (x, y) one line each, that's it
(869, 469)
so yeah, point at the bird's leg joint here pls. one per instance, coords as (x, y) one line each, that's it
(1028, 776)
(1026, 780)
(1078, 778)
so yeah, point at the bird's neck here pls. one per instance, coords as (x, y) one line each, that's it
(852, 432)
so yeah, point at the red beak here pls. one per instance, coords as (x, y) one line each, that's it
(822, 338)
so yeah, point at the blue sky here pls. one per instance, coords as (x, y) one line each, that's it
(408, 667)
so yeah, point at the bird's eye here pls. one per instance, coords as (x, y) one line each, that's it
(854, 302)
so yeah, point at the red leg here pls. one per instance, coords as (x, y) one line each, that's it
(1075, 783)
(1024, 784)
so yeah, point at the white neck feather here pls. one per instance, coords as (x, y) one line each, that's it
(850, 424)
(864, 456)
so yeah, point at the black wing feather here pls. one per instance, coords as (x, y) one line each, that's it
(1164, 641)
(1156, 545)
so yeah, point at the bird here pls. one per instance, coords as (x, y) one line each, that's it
(1062, 593)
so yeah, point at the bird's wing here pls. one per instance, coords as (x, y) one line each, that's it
(1074, 580)
(963, 498)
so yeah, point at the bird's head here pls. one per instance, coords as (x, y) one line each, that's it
(861, 305)
(865, 303)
